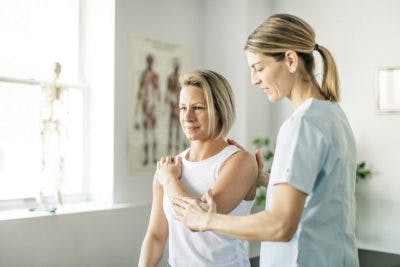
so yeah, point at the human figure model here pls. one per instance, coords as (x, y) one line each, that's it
(172, 100)
(147, 97)
(52, 122)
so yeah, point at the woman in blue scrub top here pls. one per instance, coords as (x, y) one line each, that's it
(309, 218)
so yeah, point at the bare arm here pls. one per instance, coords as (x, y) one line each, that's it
(236, 180)
(157, 231)
(262, 176)
(277, 223)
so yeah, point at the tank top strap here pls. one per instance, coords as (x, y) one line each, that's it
(224, 155)
(227, 152)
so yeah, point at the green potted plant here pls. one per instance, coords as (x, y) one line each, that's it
(363, 171)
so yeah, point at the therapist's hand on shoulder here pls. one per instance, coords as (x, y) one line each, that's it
(194, 213)
(263, 176)
(168, 168)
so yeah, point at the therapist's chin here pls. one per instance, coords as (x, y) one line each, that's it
(273, 98)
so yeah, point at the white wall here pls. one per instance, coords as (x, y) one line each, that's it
(224, 40)
(223, 43)
(90, 239)
(363, 37)
(259, 116)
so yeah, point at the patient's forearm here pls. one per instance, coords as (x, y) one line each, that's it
(151, 252)
(174, 188)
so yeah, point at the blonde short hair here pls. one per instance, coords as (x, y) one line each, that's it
(219, 99)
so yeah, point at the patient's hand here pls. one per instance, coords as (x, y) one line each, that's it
(168, 168)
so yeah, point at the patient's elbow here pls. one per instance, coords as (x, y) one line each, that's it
(285, 232)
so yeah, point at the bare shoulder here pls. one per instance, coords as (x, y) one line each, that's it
(243, 157)
(239, 174)
(241, 160)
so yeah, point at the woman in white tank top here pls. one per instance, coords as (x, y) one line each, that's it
(206, 115)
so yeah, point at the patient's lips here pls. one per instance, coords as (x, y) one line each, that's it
(191, 128)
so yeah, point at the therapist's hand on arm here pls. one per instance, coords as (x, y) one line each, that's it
(277, 223)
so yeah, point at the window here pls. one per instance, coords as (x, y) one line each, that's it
(35, 35)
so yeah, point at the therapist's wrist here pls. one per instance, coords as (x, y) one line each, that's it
(263, 178)
(207, 222)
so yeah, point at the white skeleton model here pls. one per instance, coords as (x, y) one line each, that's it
(52, 116)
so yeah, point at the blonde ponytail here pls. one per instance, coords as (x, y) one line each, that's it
(330, 78)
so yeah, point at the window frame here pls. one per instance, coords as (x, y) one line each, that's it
(84, 195)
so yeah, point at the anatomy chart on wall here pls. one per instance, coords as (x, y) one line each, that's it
(154, 129)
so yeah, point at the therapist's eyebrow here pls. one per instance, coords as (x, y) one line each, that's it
(258, 62)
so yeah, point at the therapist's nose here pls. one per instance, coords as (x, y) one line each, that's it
(254, 78)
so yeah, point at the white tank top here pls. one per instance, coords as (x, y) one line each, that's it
(209, 249)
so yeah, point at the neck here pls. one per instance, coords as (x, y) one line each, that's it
(303, 90)
(201, 150)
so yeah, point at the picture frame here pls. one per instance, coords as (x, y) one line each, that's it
(153, 114)
(388, 89)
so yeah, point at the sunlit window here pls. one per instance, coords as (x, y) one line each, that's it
(35, 35)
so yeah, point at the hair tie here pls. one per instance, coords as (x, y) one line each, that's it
(316, 47)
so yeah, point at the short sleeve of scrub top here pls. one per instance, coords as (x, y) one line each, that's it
(299, 154)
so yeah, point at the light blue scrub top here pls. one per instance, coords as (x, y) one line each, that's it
(315, 152)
